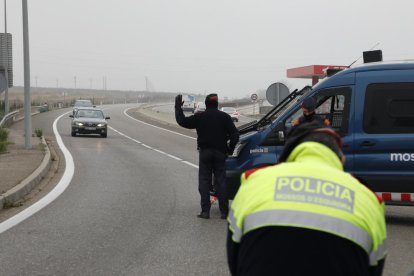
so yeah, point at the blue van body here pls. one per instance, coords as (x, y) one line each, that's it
(371, 106)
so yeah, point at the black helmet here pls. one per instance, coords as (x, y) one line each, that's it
(309, 104)
(304, 131)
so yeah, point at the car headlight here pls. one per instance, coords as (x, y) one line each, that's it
(101, 125)
(237, 149)
(79, 124)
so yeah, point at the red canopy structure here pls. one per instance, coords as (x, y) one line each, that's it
(313, 72)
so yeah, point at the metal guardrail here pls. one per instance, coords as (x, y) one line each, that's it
(8, 117)
(12, 115)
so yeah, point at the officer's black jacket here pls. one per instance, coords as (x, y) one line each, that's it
(310, 118)
(213, 126)
(285, 250)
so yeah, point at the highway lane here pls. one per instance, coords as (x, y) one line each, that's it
(243, 119)
(130, 210)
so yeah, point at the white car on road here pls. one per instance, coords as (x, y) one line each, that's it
(232, 112)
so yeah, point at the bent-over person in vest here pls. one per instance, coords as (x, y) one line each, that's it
(306, 216)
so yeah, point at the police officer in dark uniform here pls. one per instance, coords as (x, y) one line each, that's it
(214, 129)
(308, 108)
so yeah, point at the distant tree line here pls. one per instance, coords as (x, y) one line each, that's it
(61, 97)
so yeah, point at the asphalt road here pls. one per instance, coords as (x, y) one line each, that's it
(130, 210)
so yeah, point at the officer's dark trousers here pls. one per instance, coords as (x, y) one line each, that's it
(211, 162)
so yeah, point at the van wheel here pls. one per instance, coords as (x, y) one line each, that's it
(73, 134)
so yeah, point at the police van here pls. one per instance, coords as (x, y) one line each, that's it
(371, 106)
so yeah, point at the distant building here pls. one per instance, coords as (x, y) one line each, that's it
(314, 72)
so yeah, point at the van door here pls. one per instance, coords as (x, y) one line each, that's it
(335, 105)
(384, 130)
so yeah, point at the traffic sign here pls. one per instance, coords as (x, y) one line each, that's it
(253, 97)
(276, 93)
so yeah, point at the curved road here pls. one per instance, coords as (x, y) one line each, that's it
(130, 210)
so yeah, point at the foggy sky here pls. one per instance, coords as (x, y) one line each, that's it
(230, 47)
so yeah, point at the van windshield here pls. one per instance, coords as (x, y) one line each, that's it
(278, 110)
(284, 105)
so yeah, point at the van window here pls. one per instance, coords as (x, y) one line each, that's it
(389, 108)
(333, 104)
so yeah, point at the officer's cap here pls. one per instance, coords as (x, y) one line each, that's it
(211, 100)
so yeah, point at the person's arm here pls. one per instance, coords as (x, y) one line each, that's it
(233, 135)
(187, 122)
(295, 122)
(232, 253)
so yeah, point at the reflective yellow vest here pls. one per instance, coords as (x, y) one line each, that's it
(312, 191)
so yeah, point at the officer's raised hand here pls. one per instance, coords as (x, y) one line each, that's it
(179, 101)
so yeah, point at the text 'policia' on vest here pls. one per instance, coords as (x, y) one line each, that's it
(314, 190)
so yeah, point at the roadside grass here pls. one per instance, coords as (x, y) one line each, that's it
(39, 132)
(4, 134)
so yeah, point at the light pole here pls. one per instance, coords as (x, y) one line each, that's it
(27, 96)
(6, 64)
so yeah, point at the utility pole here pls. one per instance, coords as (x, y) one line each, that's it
(74, 79)
(6, 64)
(27, 96)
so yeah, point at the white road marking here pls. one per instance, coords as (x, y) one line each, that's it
(125, 112)
(190, 164)
(160, 151)
(152, 148)
(52, 195)
(174, 157)
(148, 147)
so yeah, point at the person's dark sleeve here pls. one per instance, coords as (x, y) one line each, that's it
(232, 253)
(233, 135)
(378, 269)
(187, 122)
